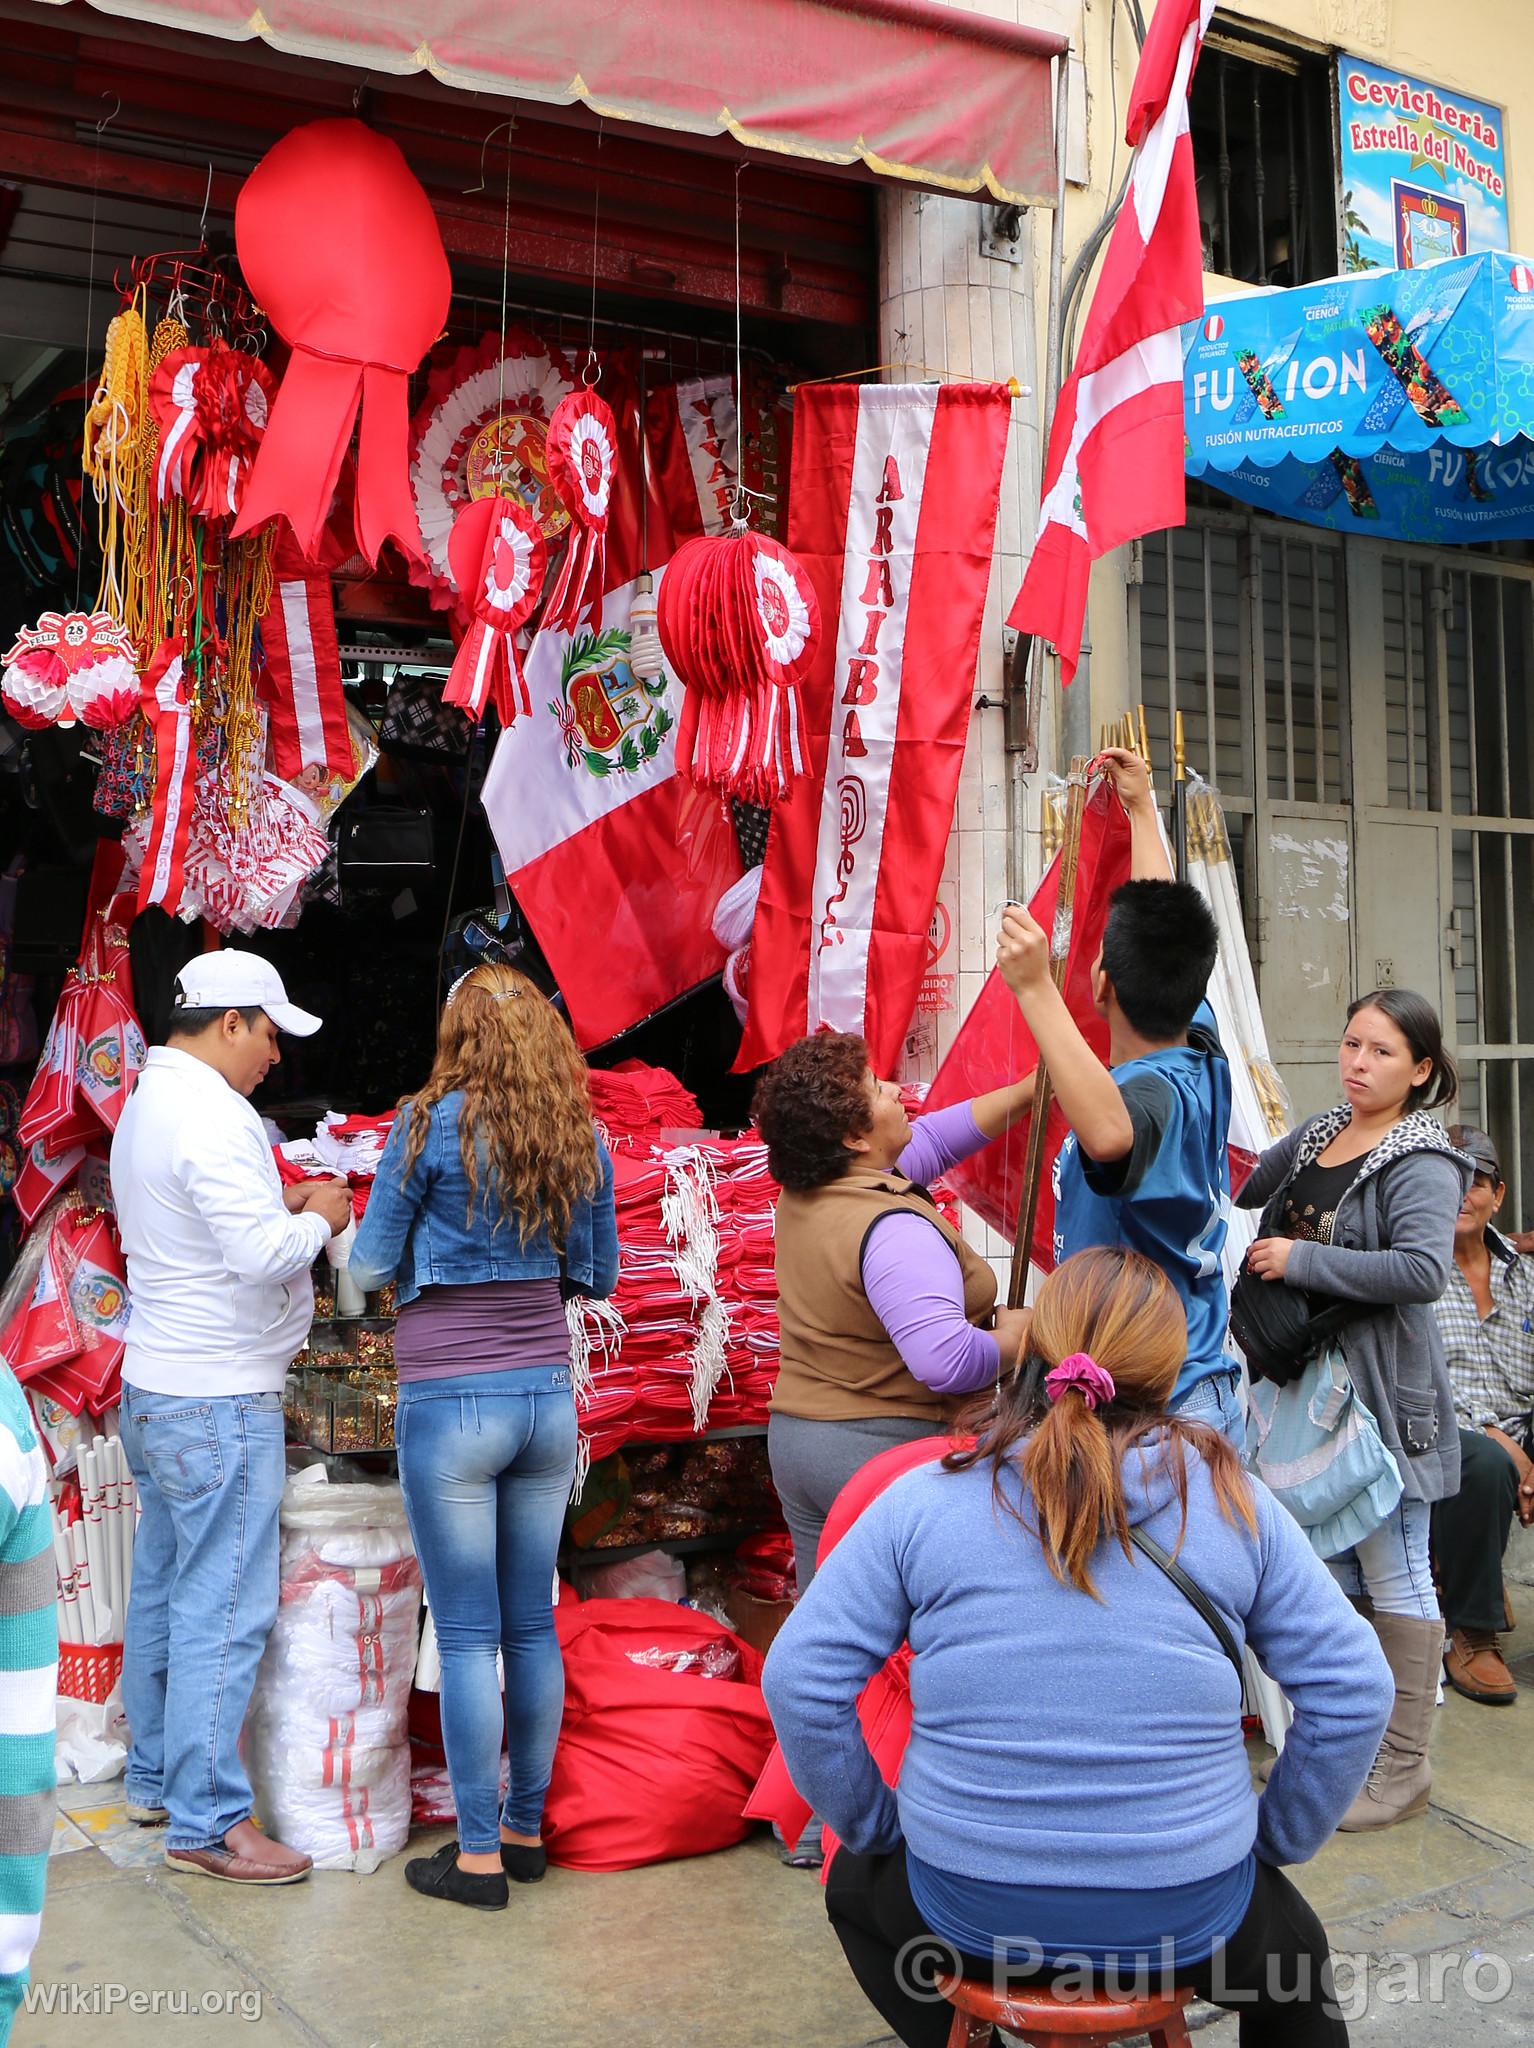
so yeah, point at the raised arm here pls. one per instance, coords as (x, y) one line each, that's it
(1149, 858)
(1087, 1093)
(915, 1288)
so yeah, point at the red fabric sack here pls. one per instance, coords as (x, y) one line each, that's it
(652, 1764)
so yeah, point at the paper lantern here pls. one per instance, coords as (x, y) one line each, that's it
(583, 464)
(341, 249)
(498, 561)
(71, 665)
(740, 623)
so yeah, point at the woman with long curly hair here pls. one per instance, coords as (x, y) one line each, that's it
(493, 1203)
(1074, 1803)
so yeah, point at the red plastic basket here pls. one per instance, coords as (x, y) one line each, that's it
(88, 1671)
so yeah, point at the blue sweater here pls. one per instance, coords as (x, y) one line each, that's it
(1059, 1741)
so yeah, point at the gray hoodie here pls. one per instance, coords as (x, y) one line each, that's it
(1392, 1247)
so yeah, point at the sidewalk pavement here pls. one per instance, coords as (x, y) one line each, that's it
(1435, 1917)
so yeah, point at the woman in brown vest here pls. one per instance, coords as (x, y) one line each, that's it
(887, 1315)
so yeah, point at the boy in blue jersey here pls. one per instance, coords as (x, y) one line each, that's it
(1146, 1163)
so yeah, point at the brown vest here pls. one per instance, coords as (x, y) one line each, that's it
(838, 1361)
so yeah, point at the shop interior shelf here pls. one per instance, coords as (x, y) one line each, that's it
(676, 1546)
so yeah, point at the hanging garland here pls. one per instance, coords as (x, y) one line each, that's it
(481, 430)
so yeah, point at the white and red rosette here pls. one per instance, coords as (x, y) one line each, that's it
(211, 403)
(482, 432)
(498, 558)
(583, 468)
(740, 623)
(72, 665)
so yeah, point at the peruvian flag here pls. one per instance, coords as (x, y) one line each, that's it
(306, 704)
(1115, 467)
(892, 511)
(614, 860)
(693, 432)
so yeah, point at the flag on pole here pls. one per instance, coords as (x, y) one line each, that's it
(615, 861)
(1115, 467)
(892, 512)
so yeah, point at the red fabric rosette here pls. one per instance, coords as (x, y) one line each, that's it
(582, 454)
(211, 403)
(498, 558)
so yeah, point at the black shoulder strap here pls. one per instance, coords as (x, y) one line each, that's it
(1192, 1591)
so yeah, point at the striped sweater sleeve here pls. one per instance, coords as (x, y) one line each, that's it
(28, 1681)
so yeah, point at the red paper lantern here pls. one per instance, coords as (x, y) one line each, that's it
(497, 556)
(341, 249)
(740, 623)
(71, 665)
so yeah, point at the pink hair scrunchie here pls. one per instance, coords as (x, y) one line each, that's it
(1092, 1381)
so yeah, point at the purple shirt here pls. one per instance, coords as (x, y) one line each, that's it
(912, 1279)
(487, 1326)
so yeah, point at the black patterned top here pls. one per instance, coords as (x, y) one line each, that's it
(1310, 1202)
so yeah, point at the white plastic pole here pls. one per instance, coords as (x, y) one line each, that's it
(87, 1605)
(64, 1566)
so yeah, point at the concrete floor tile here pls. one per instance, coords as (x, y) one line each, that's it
(67, 1838)
(1483, 1765)
(366, 1961)
(1358, 1874)
(113, 1935)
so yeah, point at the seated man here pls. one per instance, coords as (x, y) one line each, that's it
(1487, 1319)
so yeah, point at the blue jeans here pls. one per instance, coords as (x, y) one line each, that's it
(209, 1475)
(1391, 1565)
(1216, 1399)
(486, 1461)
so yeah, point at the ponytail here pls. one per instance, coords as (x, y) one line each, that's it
(1071, 1470)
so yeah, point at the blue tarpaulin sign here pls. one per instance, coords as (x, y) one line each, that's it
(1397, 403)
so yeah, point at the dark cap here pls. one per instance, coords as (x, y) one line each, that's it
(1466, 1138)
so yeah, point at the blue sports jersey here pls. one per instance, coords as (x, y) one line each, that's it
(1170, 1197)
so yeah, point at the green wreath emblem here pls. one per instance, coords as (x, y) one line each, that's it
(639, 744)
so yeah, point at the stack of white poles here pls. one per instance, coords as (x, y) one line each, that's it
(94, 1556)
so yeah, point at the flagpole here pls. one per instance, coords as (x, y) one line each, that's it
(1180, 799)
(1043, 1092)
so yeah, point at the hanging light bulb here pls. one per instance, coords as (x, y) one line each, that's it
(647, 658)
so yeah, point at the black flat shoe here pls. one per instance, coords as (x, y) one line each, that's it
(439, 1877)
(523, 1865)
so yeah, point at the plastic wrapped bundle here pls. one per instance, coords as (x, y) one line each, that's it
(326, 1737)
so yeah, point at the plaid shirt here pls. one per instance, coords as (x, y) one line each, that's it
(1491, 1362)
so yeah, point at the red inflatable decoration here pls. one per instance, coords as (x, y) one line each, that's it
(497, 557)
(740, 623)
(339, 245)
(582, 454)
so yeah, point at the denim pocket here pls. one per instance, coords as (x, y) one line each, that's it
(182, 1451)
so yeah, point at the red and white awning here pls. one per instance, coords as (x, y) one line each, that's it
(910, 88)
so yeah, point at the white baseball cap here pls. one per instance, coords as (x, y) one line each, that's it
(232, 980)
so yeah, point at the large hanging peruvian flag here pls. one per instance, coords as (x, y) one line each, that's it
(892, 511)
(615, 861)
(1115, 467)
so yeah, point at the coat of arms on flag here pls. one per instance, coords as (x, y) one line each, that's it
(611, 721)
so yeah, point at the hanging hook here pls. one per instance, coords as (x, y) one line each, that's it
(202, 225)
(511, 128)
(591, 373)
(107, 119)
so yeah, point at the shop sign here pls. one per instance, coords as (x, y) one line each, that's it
(1422, 170)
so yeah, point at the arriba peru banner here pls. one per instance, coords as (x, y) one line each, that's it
(892, 511)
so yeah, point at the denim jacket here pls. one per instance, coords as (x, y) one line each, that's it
(414, 1231)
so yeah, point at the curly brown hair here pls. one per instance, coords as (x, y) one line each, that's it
(812, 1098)
(526, 1113)
(1122, 1311)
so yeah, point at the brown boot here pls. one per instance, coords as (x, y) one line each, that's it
(1473, 1665)
(245, 1856)
(1398, 1785)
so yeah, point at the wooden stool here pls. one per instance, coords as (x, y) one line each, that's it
(1047, 2022)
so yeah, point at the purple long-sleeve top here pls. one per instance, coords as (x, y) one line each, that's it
(913, 1280)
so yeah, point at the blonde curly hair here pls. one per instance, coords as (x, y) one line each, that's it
(526, 1118)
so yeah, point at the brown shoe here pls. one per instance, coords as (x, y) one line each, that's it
(245, 1856)
(1473, 1665)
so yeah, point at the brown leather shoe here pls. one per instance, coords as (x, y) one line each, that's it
(1473, 1665)
(245, 1856)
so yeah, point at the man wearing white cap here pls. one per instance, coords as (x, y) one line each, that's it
(218, 1272)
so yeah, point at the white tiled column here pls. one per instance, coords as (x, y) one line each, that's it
(946, 310)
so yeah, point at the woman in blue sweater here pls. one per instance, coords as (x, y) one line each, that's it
(1075, 1798)
(493, 1200)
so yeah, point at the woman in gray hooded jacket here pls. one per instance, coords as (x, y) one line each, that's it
(1360, 1203)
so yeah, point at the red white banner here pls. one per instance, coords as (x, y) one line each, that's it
(1115, 467)
(693, 430)
(306, 705)
(892, 512)
(169, 715)
(614, 860)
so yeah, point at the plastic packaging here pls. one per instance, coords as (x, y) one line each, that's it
(326, 1737)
